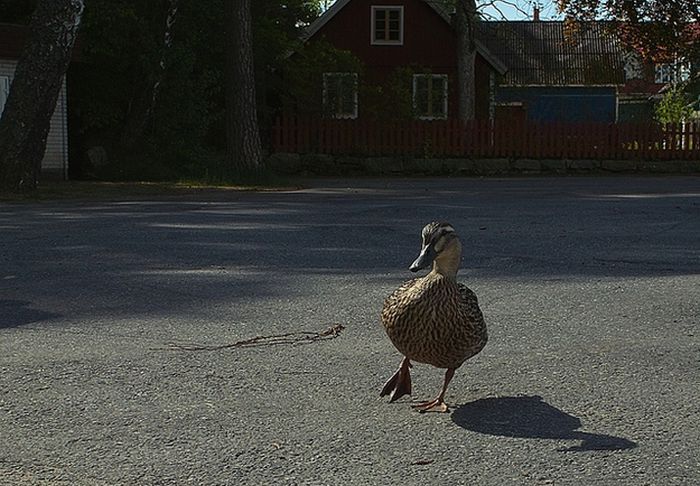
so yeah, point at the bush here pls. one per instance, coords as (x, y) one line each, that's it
(673, 107)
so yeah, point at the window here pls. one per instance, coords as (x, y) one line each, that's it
(4, 91)
(430, 96)
(633, 66)
(340, 94)
(387, 25)
(671, 72)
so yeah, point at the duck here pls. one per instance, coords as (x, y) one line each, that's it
(433, 319)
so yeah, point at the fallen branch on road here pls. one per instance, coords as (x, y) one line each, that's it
(292, 338)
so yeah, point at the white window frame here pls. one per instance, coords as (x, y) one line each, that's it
(4, 91)
(334, 114)
(444, 77)
(633, 66)
(384, 42)
(671, 72)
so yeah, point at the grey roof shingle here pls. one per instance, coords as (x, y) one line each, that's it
(539, 53)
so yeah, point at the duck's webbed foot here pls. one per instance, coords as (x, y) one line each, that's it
(435, 405)
(400, 382)
(438, 404)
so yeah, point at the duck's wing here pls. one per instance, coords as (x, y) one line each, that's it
(470, 302)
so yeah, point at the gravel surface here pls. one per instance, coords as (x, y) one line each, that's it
(590, 288)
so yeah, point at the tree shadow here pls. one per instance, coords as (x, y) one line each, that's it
(530, 417)
(15, 313)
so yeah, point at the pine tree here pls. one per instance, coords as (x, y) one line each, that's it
(34, 91)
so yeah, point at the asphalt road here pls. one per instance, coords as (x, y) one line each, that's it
(590, 287)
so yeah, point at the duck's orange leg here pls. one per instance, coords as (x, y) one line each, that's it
(400, 382)
(438, 404)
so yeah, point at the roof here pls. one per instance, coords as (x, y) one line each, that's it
(538, 53)
(438, 6)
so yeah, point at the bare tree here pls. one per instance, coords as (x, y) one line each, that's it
(466, 15)
(243, 150)
(34, 91)
(464, 23)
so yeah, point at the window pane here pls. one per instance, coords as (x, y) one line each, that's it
(4, 91)
(339, 95)
(662, 73)
(394, 25)
(684, 72)
(331, 93)
(420, 95)
(438, 89)
(379, 32)
(430, 95)
(387, 24)
(347, 101)
(438, 97)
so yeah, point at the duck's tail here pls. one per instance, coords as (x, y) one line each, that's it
(400, 382)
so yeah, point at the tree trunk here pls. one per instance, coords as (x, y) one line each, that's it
(141, 111)
(465, 23)
(243, 152)
(32, 100)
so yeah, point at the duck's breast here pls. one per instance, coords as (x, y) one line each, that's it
(430, 321)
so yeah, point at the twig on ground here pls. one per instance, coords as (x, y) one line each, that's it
(422, 462)
(292, 338)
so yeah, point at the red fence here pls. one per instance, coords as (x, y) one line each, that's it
(484, 138)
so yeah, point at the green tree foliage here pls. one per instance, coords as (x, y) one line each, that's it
(661, 31)
(16, 11)
(121, 49)
(393, 99)
(277, 27)
(674, 107)
(654, 28)
(303, 75)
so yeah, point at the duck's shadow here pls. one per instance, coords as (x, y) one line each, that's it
(532, 418)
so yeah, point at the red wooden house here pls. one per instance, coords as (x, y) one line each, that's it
(389, 34)
(526, 69)
(551, 95)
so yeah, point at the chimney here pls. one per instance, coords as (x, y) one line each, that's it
(536, 13)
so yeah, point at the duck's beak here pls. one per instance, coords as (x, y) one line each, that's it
(426, 257)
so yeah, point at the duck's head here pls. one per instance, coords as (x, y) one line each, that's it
(440, 247)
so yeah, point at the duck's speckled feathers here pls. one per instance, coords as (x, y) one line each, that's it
(435, 320)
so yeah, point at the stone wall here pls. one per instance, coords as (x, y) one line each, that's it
(317, 164)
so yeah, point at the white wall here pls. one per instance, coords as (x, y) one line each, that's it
(56, 157)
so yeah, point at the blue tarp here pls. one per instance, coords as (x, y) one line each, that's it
(571, 104)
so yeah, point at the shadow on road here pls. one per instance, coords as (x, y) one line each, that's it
(530, 417)
(177, 256)
(15, 313)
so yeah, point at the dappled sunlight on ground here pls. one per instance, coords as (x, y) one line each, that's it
(121, 324)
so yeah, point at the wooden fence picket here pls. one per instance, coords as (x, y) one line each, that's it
(485, 138)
